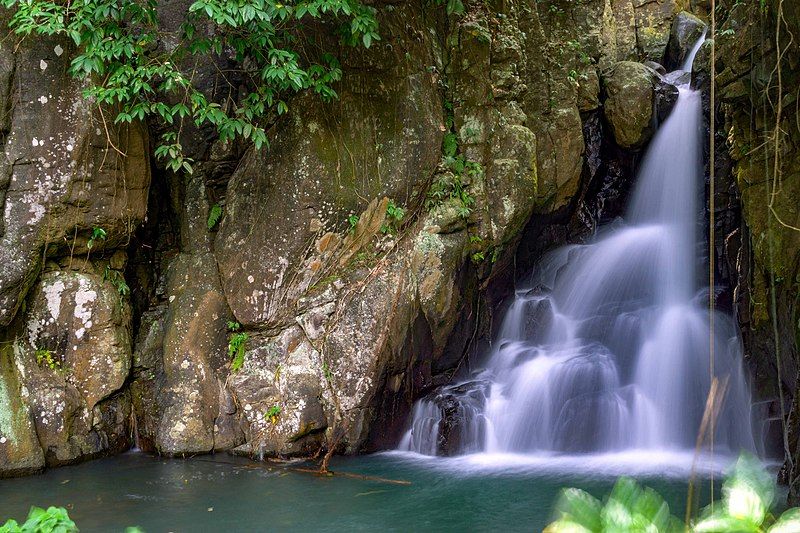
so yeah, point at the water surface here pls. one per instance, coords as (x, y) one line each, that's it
(223, 493)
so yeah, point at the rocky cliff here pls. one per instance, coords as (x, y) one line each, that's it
(300, 297)
(758, 167)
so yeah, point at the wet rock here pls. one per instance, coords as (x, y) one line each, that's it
(194, 347)
(82, 321)
(344, 326)
(20, 451)
(701, 67)
(636, 98)
(658, 67)
(381, 138)
(538, 316)
(462, 428)
(283, 392)
(686, 30)
(589, 91)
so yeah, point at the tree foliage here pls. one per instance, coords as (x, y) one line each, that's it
(136, 67)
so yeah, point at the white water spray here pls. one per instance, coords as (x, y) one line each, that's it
(606, 349)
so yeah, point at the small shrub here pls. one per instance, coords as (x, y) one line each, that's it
(45, 358)
(273, 413)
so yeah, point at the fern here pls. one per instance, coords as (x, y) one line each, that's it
(236, 345)
(213, 216)
(118, 281)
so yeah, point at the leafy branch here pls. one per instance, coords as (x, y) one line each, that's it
(120, 51)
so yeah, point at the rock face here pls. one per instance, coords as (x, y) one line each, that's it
(636, 97)
(763, 250)
(358, 259)
(64, 322)
(59, 177)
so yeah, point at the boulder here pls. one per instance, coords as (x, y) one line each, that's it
(685, 32)
(658, 67)
(74, 356)
(284, 394)
(636, 97)
(588, 91)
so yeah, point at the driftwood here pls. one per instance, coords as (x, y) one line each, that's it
(282, 465)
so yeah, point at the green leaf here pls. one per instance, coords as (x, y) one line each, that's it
(214, 215)
(450, 144)
(749, 492)
(720, 521)
(579, 508)
(789, 522)
(455, 7)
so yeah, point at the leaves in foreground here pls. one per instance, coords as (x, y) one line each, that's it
(51, 520)
(748, 495)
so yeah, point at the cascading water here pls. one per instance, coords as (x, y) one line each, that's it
(607, 347)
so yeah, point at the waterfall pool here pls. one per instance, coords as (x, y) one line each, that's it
(224, 493)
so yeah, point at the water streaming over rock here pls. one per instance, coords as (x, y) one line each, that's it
(606, 348)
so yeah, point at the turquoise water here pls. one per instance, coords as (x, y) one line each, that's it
(223, 493)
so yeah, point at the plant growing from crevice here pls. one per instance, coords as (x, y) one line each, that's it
(46, 358)
(98, 234)
(352, 220)
(118, 281)
(214, 216)
(273, 414)
(394, 217)
(450, 186)
(326, 371)
(237, 345)
(582, 57)
(453, 185)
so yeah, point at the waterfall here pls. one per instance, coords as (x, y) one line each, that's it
(605, 348)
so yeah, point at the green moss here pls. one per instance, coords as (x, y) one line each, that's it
(21, 446)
